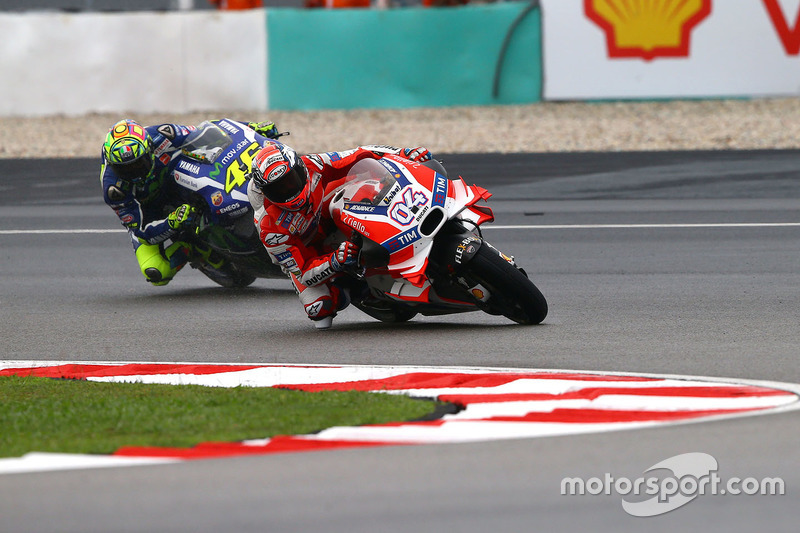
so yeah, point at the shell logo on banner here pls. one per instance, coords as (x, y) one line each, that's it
(647, 29)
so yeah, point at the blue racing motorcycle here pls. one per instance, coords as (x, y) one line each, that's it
(212, 175)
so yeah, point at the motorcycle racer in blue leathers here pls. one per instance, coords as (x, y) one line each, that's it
(138, 184)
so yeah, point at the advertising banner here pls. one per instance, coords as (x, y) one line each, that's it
(631, 49)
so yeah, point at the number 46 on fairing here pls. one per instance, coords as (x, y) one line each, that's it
(236, 173)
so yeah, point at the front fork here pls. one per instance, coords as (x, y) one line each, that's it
(454, 248)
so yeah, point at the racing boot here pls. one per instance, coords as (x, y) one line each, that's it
(322, 302)
(159, 265)
(323, 323)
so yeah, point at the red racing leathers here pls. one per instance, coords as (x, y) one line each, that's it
(295, 239)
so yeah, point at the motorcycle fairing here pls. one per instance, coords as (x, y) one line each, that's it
(210, 164)
(389, 205)
(410, 292)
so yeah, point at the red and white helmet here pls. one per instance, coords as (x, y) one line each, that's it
(281, 176)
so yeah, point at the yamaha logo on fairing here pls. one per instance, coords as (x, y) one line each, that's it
(227, 126)
(189, 167)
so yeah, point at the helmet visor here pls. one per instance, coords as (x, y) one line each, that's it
(134, 171)
(288, 186)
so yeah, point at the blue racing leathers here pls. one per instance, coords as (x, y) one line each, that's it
(143, 208)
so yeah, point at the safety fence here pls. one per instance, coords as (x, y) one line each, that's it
(476, 54)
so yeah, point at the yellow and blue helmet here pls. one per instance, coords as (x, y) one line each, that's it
(129, 151)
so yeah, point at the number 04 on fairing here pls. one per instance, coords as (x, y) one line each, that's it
(421, 246)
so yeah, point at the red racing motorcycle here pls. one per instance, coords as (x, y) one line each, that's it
(422, 251)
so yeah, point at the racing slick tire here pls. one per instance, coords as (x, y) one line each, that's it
(512, 294)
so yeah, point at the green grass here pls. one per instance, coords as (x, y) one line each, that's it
(71, 416)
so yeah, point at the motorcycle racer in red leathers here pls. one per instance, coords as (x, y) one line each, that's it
(287, 193)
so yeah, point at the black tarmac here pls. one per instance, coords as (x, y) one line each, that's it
(681, 263)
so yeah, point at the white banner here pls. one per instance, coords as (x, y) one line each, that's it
(618, 49)
(54, 63)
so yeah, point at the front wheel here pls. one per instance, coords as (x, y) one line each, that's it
(512, 294)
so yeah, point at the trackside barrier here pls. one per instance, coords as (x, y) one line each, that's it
(56, 63)
(498, 53)
(398, 58)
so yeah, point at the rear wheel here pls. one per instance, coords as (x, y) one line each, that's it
(512, 294)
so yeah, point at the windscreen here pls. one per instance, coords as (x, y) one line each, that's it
(206, 143)
(369, 182)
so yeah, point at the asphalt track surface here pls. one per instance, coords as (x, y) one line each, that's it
(670, 263)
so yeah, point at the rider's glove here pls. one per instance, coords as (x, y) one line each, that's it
(267, 129)
(420, 154)
(183, 218)
(346, 256)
